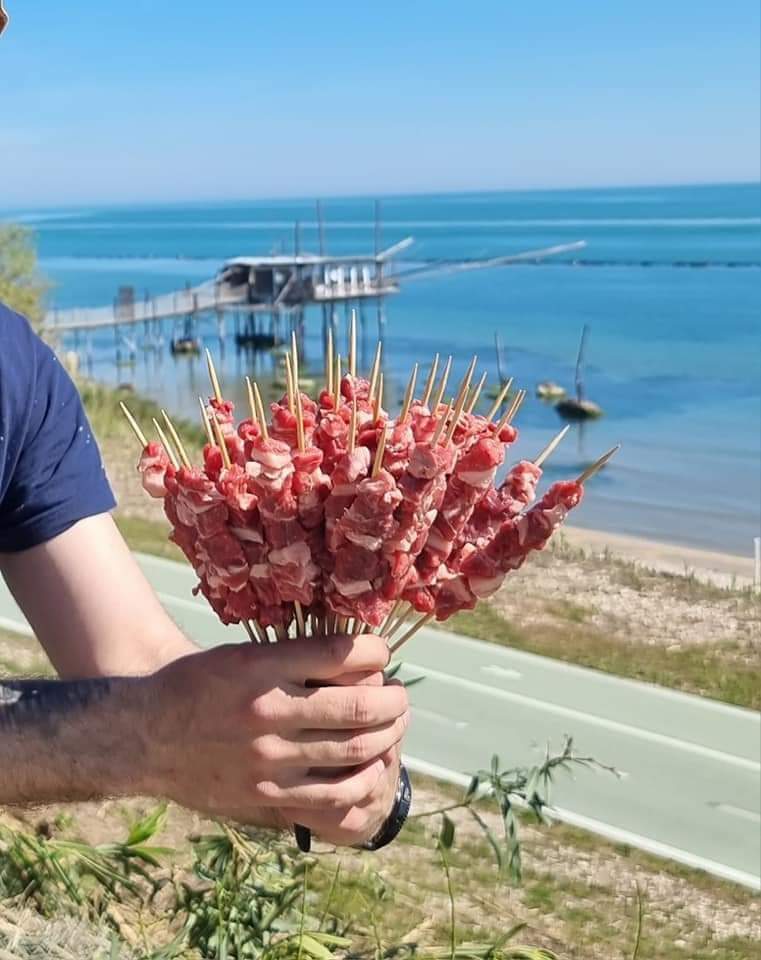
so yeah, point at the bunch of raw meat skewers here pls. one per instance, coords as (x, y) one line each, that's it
(331, 516)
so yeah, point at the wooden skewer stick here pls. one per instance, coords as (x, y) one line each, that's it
(134, 424)
(476, 394)
(205, 421)
(375, 371)
(443, 385)
(515, 406)
(500, 399)
(353, 344)
(353, 426)
(295, 360)
(598, 464)
(300, 426)
(329, 362)
(299, 618)
(409, 395)
(176, 438)
(391, 614)
(551, 446)
(289, 383)
(337, 383)
(221, 441)
(251, 400)
(440, 425)
(213, 376)
(461, 396)
(380, 450)
(260, 408)
(378, 403)
(430, 381)
(169, 450)
(399, 622)
(411, 632)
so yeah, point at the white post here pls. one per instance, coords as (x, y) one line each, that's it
(757, 568)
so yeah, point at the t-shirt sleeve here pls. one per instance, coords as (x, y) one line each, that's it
(52, 474)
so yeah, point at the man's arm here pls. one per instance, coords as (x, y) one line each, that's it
(90, 605)
(238, 732)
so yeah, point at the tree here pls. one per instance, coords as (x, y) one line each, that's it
(21, 286)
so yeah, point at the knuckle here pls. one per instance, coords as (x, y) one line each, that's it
(356, 749)
(265, 750)
(359, 709)
(266, 791)
(267, 708)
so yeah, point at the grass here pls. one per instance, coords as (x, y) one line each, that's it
(705, 672)
(148, 536)
(108, 422)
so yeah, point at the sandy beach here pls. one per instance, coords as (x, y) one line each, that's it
(721, 569)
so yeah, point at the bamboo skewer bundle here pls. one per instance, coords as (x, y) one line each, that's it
(396, 626)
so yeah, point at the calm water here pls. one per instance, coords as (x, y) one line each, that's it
(674, 353)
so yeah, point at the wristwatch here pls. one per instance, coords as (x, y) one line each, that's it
(390, 828)
(396, 819)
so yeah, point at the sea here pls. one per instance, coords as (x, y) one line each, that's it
(668, 284)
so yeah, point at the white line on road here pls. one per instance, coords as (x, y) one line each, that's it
(674, 742)
(601, 678)
(502, 672)
(439, 718)
(734, 811)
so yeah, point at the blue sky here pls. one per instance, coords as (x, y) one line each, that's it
(160, 99)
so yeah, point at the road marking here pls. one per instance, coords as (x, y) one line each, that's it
(607, 830)
(502, 672)
(439, 718)
(534, 702)
(734, 811)
(537, 660)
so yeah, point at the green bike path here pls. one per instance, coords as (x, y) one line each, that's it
(690, 783)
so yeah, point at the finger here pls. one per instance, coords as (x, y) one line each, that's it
(347, 708)
(310, 791)
(358, 823)
(328, 657)
(336, 748)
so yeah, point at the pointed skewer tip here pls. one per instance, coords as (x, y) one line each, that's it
(598, 464)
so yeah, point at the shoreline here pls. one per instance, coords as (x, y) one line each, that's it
(723, 569)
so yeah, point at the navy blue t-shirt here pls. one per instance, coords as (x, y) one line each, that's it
(51, 472)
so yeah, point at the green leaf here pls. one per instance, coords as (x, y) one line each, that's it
(475, 783)
(413, 681)
(446, 834)
(144, 829)
(491, 839)
(390, 672)
(312, 947)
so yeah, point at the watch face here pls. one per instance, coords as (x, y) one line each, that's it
(3, 17)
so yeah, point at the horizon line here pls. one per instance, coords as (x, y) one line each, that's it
(381, 195)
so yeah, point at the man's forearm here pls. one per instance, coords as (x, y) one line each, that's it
(79, 740)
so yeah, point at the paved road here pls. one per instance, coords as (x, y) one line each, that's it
(691, 785)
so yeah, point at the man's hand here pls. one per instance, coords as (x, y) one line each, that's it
(246, 732)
